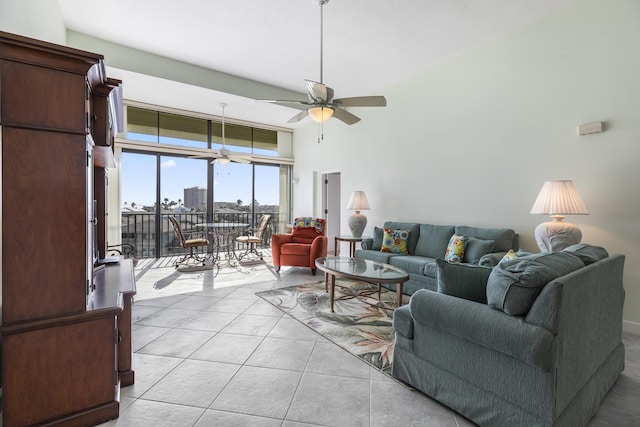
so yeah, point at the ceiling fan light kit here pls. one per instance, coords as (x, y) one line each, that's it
(321, 105)
(320, 114)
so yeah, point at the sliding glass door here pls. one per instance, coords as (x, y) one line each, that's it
(161, 176)
(155, 186)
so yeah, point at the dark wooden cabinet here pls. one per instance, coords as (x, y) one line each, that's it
(66, 325)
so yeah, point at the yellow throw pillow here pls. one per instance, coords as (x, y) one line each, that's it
(395, 241)
(508, 256)
(455, 249)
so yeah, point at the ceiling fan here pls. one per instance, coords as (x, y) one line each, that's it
(321, 103)
(224, 156)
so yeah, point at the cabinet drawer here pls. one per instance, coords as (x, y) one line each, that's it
(43, 98)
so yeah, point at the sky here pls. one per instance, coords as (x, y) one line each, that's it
(231, 181)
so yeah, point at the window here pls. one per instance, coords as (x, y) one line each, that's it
(162, 181)
(175, 129)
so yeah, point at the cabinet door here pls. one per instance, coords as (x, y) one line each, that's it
(60, 370)
(44, 224)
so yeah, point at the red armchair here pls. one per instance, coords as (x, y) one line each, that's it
(306, 242)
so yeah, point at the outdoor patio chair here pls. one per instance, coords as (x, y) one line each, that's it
(191, 244)
(252, 239)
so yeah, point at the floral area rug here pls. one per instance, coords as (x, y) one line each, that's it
(362, 325)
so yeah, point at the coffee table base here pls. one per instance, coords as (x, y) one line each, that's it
(330, 286)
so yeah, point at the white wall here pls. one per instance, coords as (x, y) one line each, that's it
(472, 140)
(37, 19)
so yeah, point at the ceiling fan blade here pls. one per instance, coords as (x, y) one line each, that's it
(212, 154)
(345, 116)
(361, 101)
(301, 115)
(284, 101)
(240, 159)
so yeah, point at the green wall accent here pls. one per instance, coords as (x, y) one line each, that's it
(142, 62)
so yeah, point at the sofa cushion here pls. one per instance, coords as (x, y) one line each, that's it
(411, 263)
(476, 249)
(504, 237)
(414, 232)
(395, 241)
(514, 285)
(304, 234)
(375, 255)
(587, 253)
(455, 249)
(433, 240)
(466, 281)
(295, 249)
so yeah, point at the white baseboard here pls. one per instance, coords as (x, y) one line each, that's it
(631, 327)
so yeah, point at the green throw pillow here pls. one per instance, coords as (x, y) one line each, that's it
(476, 249)
(463, 280)
(378, 234)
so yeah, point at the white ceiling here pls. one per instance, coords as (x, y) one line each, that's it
(368, 44)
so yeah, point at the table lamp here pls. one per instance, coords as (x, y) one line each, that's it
(357, 222)
(557, 199)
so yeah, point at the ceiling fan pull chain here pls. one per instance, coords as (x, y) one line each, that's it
(222, 104)
(320, 132)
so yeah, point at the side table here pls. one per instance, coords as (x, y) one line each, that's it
(352, 244)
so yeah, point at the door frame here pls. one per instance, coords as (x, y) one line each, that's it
(331, 206)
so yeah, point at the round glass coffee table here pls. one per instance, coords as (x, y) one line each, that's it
(363, 270)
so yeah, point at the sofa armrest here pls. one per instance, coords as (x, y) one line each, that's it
(482, 325)
(318, 249)
(278, 240)
(367, 243)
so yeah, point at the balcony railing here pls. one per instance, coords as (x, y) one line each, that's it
(139, 229)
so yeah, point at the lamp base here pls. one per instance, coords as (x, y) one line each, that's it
(357, 222)
(556, 235)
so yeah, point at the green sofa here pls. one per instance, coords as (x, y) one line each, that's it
(541, 346)
(428, 242)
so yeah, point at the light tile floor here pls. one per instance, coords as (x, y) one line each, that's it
(208, 352)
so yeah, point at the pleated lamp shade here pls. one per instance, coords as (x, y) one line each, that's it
(559, 198)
